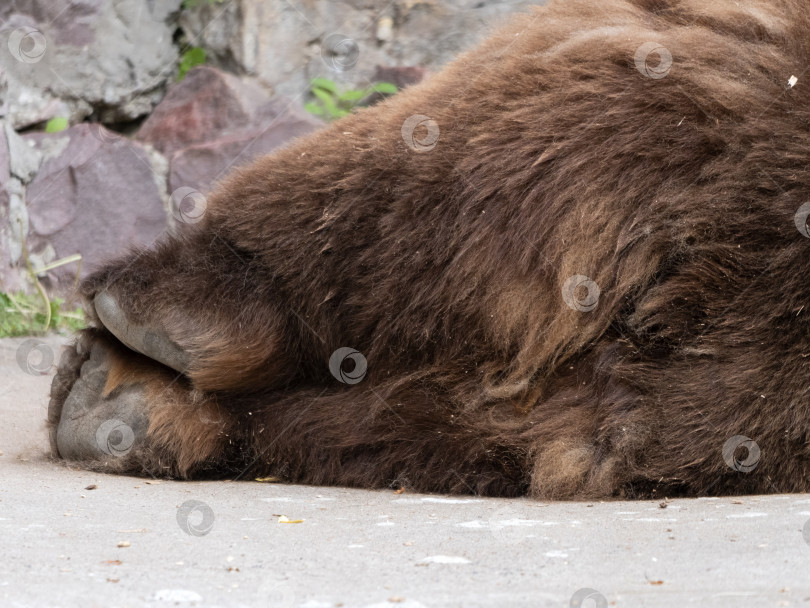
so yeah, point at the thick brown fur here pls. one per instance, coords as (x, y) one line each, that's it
(445, 269)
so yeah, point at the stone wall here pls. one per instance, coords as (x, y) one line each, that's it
(142, 150)
(287, 43)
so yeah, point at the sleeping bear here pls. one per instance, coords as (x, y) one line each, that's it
(571, 265)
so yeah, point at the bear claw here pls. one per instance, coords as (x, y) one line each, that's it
(155, 345)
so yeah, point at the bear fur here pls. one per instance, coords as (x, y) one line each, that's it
(581, 274)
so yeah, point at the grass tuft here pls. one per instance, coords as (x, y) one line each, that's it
(19, 316)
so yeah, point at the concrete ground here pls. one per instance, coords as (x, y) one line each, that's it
(73, 538)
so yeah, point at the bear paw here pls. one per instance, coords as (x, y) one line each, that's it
(87, 420)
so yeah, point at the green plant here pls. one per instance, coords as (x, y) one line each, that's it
(332, 103)
(54, 125)
(19, 316)
(187, 4)
(195, 55)
(191, 58)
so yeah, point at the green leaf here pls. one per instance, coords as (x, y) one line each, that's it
(353, 95)
(336, 104)
(327, 100)
(191, 58)
(313, 108)
(323, 95)
(54, 125)
(189, 4)
(384, 87)
(325, 84)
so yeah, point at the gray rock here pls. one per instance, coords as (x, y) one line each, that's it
(201, 165)
(287, 44)
(13, 212)
(95, 194)
(23, 158)
(108, 58)
(5, 160)
(213, 121)
(14, 225)
(207, 104)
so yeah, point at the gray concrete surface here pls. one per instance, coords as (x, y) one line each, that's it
(59, 541)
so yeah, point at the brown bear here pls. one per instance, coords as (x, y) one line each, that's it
(569, 265)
